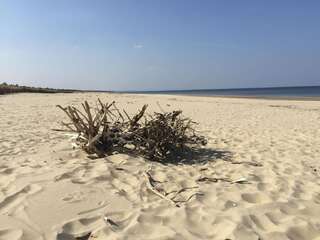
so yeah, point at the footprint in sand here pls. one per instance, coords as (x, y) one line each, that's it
(254, 197)
(80, 228)
(12, 200)
(7, 171)
(303, 232)
(74, 197)
(12, 234)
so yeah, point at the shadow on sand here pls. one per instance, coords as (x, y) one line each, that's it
(197, 156)
(189, 156)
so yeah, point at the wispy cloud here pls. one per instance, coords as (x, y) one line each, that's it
(152, 68)
(75, 46)
(137, 46)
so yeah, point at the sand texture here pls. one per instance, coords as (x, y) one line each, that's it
(50, 190)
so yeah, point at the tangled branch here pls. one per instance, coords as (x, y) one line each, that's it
(106, 130)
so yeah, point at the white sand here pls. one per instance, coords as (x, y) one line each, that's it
(50, 191)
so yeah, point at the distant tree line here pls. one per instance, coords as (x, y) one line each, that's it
(6, 88)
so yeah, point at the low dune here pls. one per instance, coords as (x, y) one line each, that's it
(15, 88)
(257, 178)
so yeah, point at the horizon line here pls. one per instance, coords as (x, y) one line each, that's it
(168, 90)
(209, 89)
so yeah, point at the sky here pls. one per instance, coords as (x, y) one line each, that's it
(159, 44)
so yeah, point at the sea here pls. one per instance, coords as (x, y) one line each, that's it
(281, 92)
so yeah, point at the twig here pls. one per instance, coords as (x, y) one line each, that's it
(60, 130)
(152, 188)
(180, 191)
(255, 164)
(208, 179)
(189, 198)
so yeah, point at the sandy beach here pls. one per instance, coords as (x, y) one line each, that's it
(269, 150)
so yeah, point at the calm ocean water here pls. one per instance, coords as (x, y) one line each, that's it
(252, 92)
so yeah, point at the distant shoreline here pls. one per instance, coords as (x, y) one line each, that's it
(289, 98)
(260, 97)
(303, 93)
(186, 95)
(286, 93)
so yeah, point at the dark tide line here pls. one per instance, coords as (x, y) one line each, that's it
(285, 93)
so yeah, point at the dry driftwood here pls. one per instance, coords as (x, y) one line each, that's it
(106, 130)
(151, 185)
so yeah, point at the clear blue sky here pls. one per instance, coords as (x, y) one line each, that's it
(160, 44)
